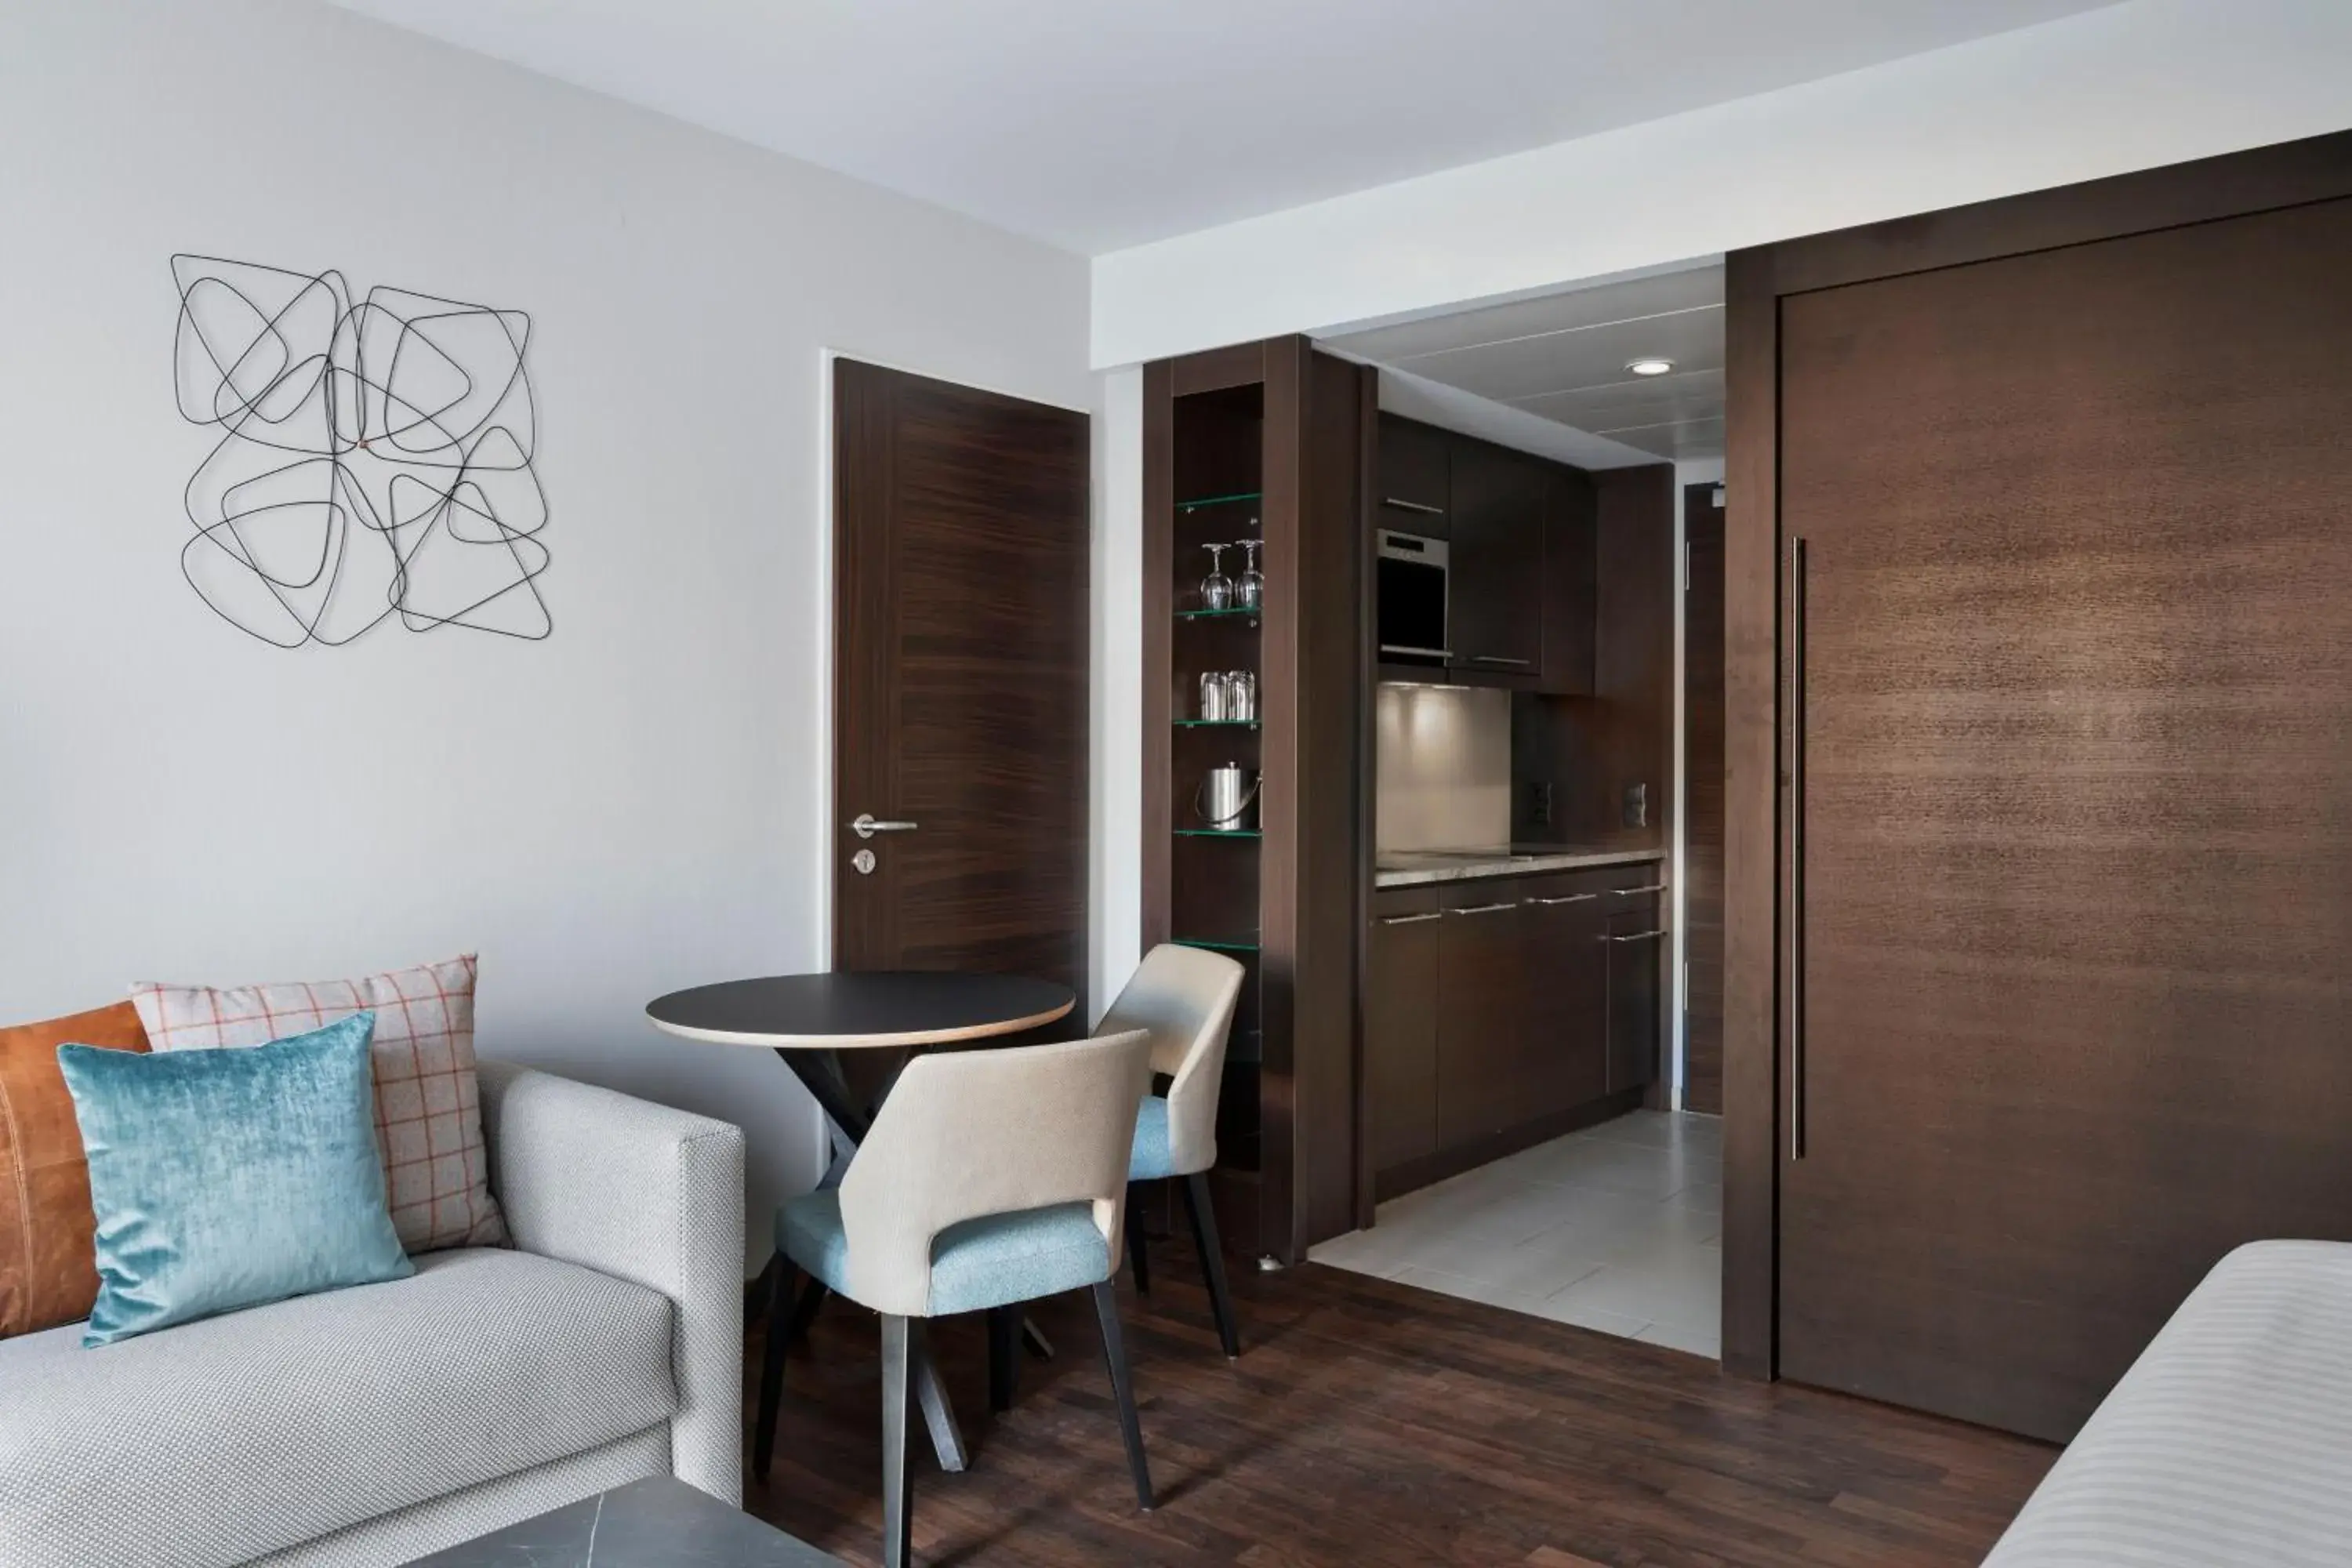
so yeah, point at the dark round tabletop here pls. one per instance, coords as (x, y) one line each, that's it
(847, 1010)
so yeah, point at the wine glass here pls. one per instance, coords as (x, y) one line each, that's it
(1216, 588)
(1249, 589)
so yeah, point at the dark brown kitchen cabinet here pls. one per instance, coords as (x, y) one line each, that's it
(1401, 1026)
(1499, 1014)
(1571, 582)
(1481, 1012)
(1631, 943)
(1523, 534)
(1414, 477)
(1566, 985)
(1496, 614)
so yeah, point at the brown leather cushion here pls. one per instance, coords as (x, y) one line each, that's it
(48, 1267)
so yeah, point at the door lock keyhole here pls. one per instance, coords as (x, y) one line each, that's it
(864, 862)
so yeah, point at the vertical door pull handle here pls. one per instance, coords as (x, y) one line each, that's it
(1796, 978)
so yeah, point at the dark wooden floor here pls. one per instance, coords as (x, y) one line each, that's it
(1374, 1423)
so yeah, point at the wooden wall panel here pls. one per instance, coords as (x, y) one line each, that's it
(1702, 801)
(1751, 816)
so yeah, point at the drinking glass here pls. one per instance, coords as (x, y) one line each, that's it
(1216, 588)
(1249, 589)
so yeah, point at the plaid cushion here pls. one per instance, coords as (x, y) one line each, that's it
(428, 1113)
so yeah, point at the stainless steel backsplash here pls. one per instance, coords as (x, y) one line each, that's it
(1445, 767)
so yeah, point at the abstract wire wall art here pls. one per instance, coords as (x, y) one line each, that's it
(374, 458)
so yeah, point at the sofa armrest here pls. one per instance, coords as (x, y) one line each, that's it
(646, 1194)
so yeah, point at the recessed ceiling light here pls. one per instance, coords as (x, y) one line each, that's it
(1651, 366)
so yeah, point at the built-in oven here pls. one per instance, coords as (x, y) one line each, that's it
(1412, 597)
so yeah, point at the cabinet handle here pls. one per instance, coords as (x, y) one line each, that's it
(1571, 899)
(1796, 782)
(1636, 936)
(1422, 509)
(1410, 919)
(1422, 652)
(1497, 658)
(1633, 893)
(1482, 910)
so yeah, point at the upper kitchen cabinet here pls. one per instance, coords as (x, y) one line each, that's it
(1571, 576)
(1415, 478)
(1494, 618)
(1520, 530)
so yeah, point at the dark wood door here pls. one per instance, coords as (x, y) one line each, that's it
(960, 694)
(1702, 801)
(1400, 1013)
(1481, 1015)
(2075, 801)
(1495, 620)
(1567, 995)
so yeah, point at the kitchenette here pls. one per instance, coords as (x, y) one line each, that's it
(1407, 759)
(1514, 982)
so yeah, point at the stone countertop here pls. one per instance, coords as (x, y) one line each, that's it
(1413, 868)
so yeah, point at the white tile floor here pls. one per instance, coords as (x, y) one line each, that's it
(1617, 1228)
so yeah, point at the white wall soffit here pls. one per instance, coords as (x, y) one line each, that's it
(1450, 408)
(2133, 86)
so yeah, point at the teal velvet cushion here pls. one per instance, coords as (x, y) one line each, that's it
(1151, 1158)
(980, 1263)
(224, 1179)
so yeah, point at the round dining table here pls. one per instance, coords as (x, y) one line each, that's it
(811, 1020)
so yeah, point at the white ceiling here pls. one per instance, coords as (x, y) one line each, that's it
(1563, 357)
(1099, 124)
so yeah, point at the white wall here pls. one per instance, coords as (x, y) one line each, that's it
(1115, 778)
(631, 806)
(2129, 87)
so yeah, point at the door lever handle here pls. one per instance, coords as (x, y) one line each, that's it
(865, 826)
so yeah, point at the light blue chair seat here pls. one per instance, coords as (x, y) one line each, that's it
(992, 1261)
(1152, 1159)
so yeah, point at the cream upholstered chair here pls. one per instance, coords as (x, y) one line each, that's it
(1184, 996)
(990, 1178)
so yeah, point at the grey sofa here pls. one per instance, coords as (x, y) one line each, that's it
(371, 1426)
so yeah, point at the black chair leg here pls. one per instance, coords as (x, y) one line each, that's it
(1004, 1356)
(1114, 1355)
(1137, 1258)
(897, 1510)
(1212, 1259)
(771, 1372)
(804, 1310)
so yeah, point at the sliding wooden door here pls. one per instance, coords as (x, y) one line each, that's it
(2067, 545)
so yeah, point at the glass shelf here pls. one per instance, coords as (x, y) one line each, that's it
(1217, 723)
(1219, 501)
(1219, 833)
(1217, 945)
(1236, 615)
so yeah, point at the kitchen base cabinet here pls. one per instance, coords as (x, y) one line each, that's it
(1567, 983)
(1401, 1028)
(1503, 1012)
(1631, 945)
(1482, 1013)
